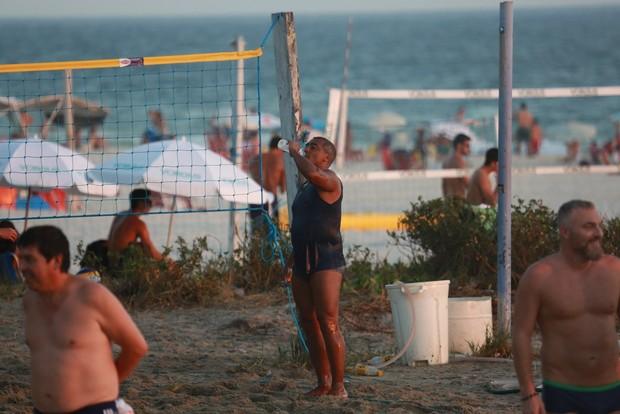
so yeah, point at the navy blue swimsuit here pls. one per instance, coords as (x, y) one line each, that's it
(315, 233)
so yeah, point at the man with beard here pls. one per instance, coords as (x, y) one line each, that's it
(573, 296)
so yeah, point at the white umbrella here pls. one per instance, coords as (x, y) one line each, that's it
(42, 165)
(451, 129)
(250, 121)
(571, 131)
(181, 168)
(387, 120)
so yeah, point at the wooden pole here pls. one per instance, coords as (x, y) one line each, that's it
(68, 112)
(238, 111)
(172, 211)
(504, 219)
(28, 197)
(289, 92)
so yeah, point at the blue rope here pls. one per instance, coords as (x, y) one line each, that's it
(274, 242)
(273, 24)
(273, 235)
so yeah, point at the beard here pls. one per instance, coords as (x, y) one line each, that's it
(591, 250)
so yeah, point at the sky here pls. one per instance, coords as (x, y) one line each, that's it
(131, 8)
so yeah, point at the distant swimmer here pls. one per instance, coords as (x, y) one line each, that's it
(573, 296)
(457, 187)
(525, 120)
(128, 229)
(318, 262)
(70, 326)
(480, 190)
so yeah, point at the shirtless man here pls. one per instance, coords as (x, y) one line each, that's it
(70, 326)
(480, 190)
(271, 176)
(574, 297)
(525, 121)
(457, 187)
(127, 227)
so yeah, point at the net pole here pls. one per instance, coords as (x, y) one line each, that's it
(289, 93)
(237, 127)
(342, 129)
(68, 110)
(504, 218)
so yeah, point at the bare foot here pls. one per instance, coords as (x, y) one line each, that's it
(339, 391)
(319, 391)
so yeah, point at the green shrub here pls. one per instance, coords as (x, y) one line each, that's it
(365, 272)
(450, 239)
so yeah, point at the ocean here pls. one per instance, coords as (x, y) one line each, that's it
(565, 47)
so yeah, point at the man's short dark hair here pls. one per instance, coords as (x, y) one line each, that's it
(567, 208)
(491, 156)
(327, 146)
(7, 245)
(273, 144)
(50, 241)
(459, 139)
(140, 197)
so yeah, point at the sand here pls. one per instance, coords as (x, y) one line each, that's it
(234, 358)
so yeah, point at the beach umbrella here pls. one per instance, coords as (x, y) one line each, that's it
(9, 104)
(387, 120)
(451, 129)
(42, 165)
(180, 168)
(85, 113)
(250, 121)
(571, 131)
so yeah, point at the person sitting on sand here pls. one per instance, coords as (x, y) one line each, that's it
(318, 262)
(480, 190)
(70, 327)
(128, 229)
(573, 297)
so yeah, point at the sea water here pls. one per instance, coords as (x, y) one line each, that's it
(561, 47)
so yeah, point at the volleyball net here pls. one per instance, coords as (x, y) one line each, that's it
(77, 136)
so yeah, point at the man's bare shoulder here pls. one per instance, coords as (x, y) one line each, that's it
(610, 262)
(540, 271)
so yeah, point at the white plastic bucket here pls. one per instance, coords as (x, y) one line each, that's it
(468, 321)
(425, 306)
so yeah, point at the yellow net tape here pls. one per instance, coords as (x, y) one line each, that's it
(134, 61)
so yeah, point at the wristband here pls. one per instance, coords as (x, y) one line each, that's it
(530, 396)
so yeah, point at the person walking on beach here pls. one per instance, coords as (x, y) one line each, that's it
(318, 262)
(573, 297)
(480, 190)
(457, 187)
(524, 124)
(70, 326)
(128, 229)
(536, 136)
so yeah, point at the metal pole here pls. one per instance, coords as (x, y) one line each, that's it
(68, 110)
(505, 164)
(289, 93)
(342, 118)
(171, 219)
(238, 111)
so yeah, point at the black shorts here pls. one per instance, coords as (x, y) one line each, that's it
(564, 398)
(311, 258)
(108, 407)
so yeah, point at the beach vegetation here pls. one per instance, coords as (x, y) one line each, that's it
(497, 344)
(451, 239)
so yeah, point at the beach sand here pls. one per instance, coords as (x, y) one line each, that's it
(234, 358)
